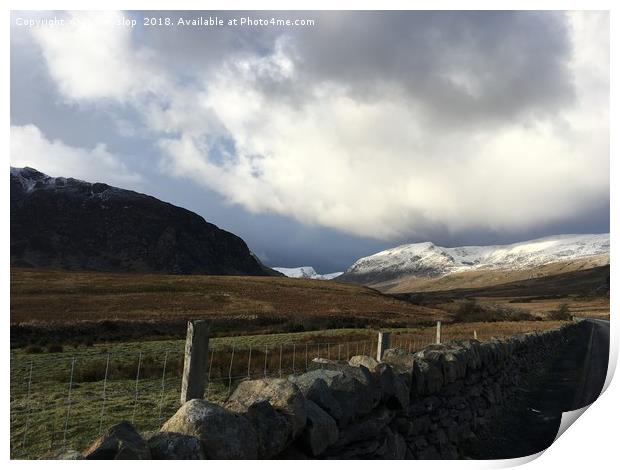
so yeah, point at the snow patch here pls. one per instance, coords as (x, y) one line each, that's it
(428, 260)
(306, 272)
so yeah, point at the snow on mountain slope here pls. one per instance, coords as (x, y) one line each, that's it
(306, 272)
(431, 261)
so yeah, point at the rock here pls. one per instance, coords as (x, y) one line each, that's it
(366, 361)
(69, 454)
(314, 386)
(420, 443)
(471, 349)
(420, 425)
(282, 394)
(428, 453)
(357, 390)
(292, 453)
(448, 452)
(320, 432)
(120, 442)
(427, 375)
(402, 393)
(367, 428)
(396, 446)
(224, 434)
(401, 363)
(438, 437)
(274, 431)
(174, 446)
(368, 449)
(403, 426)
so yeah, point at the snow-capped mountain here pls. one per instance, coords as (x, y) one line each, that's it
(427, 260)
(306, 272)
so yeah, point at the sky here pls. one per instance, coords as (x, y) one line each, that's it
(322, 143)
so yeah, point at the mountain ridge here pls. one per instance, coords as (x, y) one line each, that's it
(427, 261)
(68, 223)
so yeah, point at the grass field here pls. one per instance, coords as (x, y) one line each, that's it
(63, 400)
(61, 296)
(86, 304)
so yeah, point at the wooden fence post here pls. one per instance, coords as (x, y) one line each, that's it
(383, 343)
(195, 362)
(438, 339)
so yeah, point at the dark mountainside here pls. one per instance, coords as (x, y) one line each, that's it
(71, 224)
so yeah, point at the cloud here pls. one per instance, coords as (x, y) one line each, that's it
(89, 58)
(382, 125)
(29, 147)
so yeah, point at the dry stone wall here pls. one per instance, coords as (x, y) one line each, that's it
(425, 405)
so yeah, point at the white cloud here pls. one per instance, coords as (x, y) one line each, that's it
(29, 147)
(92, 58)
(373, 167)
(376, 169)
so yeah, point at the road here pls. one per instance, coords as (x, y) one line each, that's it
(595, 364)
(530, 422)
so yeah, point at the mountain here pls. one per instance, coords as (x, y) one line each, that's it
(306, 272)
(425, 266)
(71, 224)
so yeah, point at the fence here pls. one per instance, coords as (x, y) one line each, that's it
(64, 401)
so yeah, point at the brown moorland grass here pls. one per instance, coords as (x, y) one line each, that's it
(54, 296)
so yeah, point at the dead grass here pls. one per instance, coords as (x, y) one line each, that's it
(48, 296)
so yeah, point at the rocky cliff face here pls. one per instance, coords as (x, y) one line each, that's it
(71, 224)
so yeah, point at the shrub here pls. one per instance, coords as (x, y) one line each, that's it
(33, 349)
(562, 313)
(470, 311)
(55, 348)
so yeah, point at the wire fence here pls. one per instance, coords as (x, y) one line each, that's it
(62, 402)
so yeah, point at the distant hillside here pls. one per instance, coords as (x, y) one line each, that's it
(425, 266)
(71, 224)
(594, 282)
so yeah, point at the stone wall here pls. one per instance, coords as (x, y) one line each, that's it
(426, 405)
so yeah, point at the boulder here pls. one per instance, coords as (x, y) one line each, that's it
(449, 360)
(395, 392)
(282, 394)
(357, 390)
(366, 361)
(427, 375)
(368, 428)
(320, 432)
(223, 434)
(314, 386)
(274, 431)
(396, 446)
(120, 442)
(401, 362)
(174, 446)
(69, 454)
(368, 449)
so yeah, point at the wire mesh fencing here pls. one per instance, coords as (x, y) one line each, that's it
(62, 402)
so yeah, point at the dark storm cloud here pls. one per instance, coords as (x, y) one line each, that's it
(460, 66)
